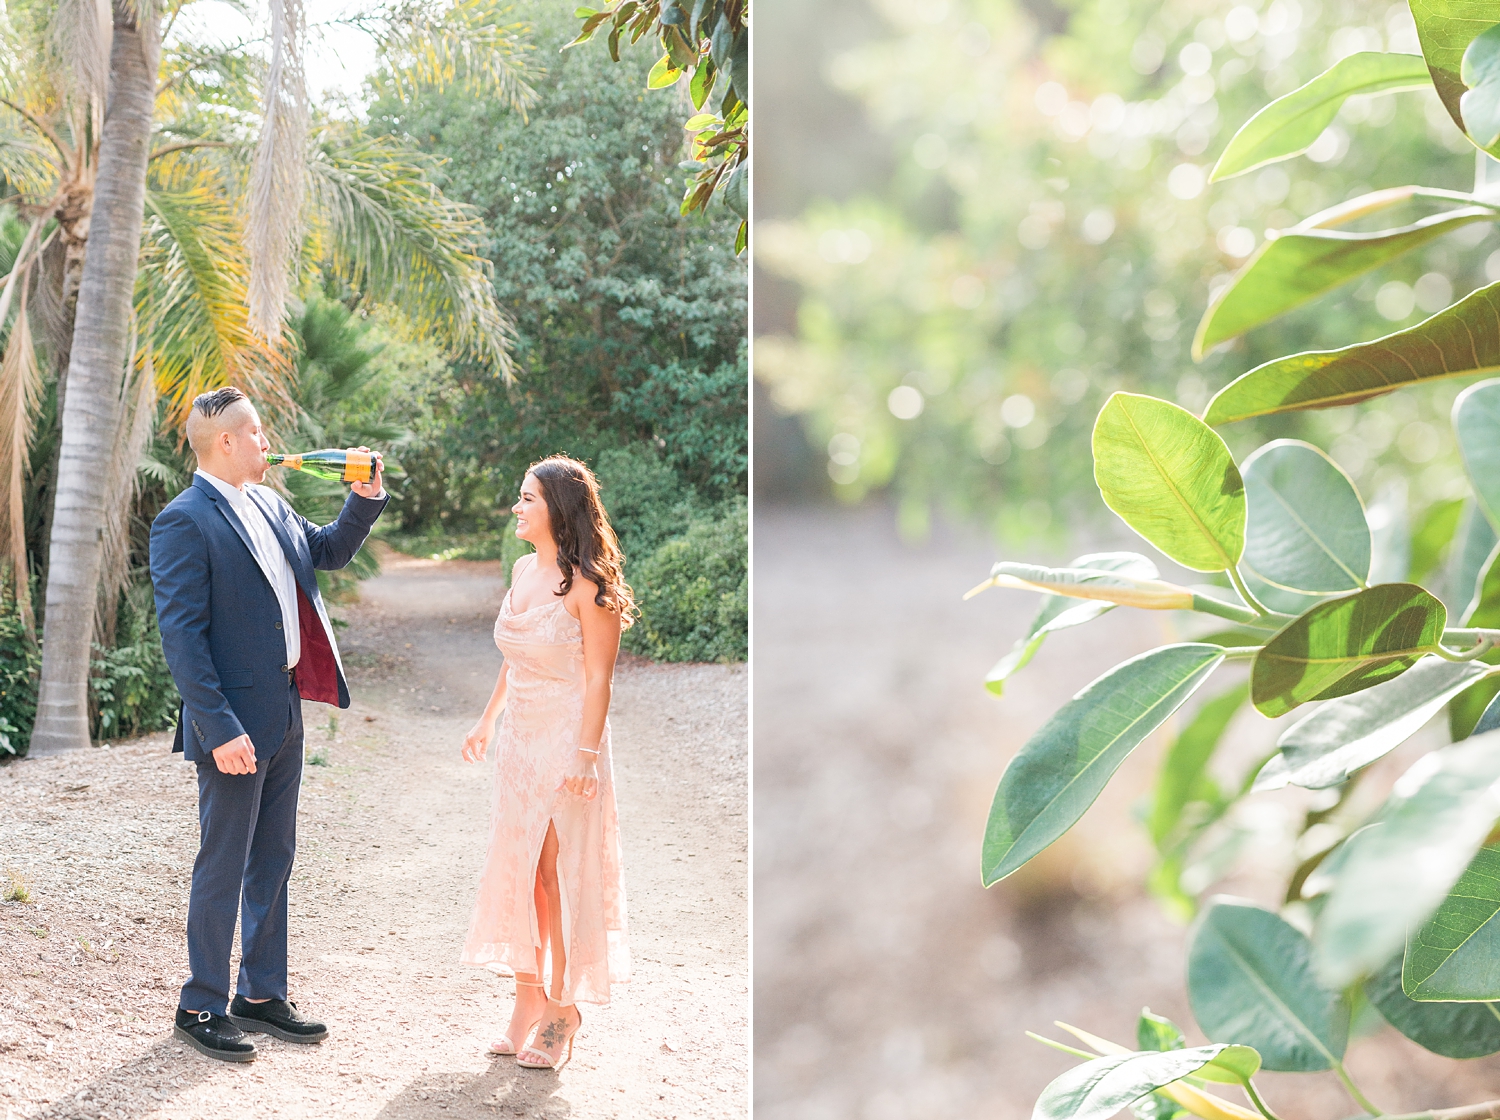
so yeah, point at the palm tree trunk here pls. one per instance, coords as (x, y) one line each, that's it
(96, 369)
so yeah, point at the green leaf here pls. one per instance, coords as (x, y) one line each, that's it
(1476, 423)
(1098, 1089)
(737, 191)
(1430, 539)
(1469, 563)
(1153, 1032)
(742, 238)
(1058, 612)
(1346, 645)
(1469, 709)
(1348, 734)
(1293, 266)
(1172, 480)
(700, 122)
(1060, 771)
(1306, 527)
(1234, 1065)
(1445, 29)
(1480, 71)
(1397, 870)
(584, 13)
(703, 82)
(1183, 777)
(1455, 955)
(1289, 125)
(663, 74)
(1250, 977)
(1457, 342)
(1454, 1030)
(1117, 586)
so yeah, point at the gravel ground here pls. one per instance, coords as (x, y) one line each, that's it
(392, 830)
(888, 984)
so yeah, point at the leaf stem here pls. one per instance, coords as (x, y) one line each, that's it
(1473, 653)
(1353, 1090)
(1207, 604)
(1064, 1047)
(1259, 1104)
(1239, 585)
(1488, 1110)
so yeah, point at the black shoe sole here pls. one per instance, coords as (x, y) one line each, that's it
(210, 1052)
(257, 1026)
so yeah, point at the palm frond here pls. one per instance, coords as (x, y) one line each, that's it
(386, 229)
(80, 34)
(190, 298)
(477, 45)
(278, 178)
(20, 396)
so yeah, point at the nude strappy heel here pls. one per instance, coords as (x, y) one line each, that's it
(542, 1061)
(503, 1045)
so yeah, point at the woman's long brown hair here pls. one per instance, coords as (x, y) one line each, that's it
(586, 542)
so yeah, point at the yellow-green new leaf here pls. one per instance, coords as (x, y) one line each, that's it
(1172, 479)
(1458, 342)
(1445, 29)
(1289, 125)
(1293, 266)
(1098, 1089)
(1346, 645)
(1064, 767)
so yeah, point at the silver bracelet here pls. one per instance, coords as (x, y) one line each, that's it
(585, 750)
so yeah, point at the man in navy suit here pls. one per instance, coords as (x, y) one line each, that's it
(247, 639)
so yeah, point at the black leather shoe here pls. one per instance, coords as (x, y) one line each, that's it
(275, 1017)
(214, 1036)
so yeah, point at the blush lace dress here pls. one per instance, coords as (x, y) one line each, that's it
(534, 747)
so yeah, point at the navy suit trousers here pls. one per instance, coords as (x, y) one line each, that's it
(248, 838)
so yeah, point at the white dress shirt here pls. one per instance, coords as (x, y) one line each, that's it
(272, 560)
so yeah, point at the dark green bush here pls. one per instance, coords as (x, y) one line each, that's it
(693, 592)
(20, 665)
(645, 498)
(132, 688)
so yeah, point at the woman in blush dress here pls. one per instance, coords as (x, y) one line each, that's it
(552, 881)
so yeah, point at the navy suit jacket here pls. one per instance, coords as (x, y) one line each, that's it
(220, 621)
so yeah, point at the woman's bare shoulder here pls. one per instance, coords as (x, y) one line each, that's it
(521, 564)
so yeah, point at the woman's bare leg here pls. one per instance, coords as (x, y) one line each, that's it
(531, 993)
(558, 1020)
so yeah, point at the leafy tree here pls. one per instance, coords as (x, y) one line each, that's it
(224, 225)
(629, 317)
(709, 40)
(1321, 610)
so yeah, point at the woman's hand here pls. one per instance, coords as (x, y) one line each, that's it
(583, 779)
(477, 741)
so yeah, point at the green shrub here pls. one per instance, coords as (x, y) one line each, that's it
(132, 689)
(645, 498)
(694, 592)
(20, 666)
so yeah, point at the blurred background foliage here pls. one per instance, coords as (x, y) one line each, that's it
(1016, 222)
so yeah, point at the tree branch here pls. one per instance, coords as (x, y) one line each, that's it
(191, 144)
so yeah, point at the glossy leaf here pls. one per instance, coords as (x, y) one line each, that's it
(1155, 1032)
(1398, 870)
(1348, 734)
(1098, 1089)
(1346, 645)
(1454, 1030)
(1183, 777)
(1457, 342)
(1476, 423)
(1059, 612)
(1470, 563)
(1060, 771)
(1469, 708)
(1480, 71)
(1250, 977)
(1172, 480)
(1306, 525)
(1289, 125)
(663, 74)
(1489, 719)
(1455, 954)
(1293, 266)
(1445, 29)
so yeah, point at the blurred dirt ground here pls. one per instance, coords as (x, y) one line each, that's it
(888, 984)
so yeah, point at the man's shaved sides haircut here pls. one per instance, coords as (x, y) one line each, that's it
(210, 416)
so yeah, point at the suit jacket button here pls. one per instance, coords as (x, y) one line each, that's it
(278, 626)
(284, 669)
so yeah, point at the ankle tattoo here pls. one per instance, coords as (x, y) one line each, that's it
(553, 1033)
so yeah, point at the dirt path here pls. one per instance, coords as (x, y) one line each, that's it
(393, 825)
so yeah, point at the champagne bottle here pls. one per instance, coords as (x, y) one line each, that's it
(332, 464)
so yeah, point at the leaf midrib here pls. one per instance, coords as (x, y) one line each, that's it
(1275, 999)
(1172, 486)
